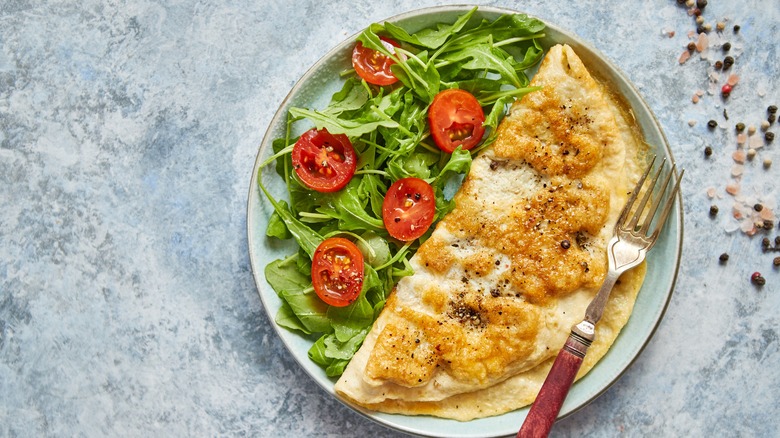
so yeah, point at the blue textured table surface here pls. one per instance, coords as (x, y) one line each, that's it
(128, 132)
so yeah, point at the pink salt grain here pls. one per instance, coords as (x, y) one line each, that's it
(738, 156)
(702, 43)
(684, 57)
(711, 192)
(732, 189)
(695, 98)
(737, 170)
(733, 80)
(741, 138)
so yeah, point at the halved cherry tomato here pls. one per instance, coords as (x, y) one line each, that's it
(323, 161)
(456, 120)
(408, 208)
(337, 271)
(372, 65)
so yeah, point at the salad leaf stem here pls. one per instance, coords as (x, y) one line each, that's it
(273, 157)
(401, 252)
(389, 119)
(372, 171)
(518, 39)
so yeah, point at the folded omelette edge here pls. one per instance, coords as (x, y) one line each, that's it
(506, 274)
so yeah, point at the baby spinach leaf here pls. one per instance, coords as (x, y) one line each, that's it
(285, 317)
(310, 310)
(336, 349)
(350, 320)
(283, 274)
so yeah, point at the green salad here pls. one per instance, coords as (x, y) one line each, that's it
(376, 169)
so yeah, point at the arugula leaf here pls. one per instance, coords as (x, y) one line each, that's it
(277, 228)
(459, 162)
(420, 75)
(350, 210)
(428, 37)
(337, 125)
(486, 57)
(351, 97)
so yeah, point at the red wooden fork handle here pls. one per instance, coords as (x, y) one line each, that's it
(556, 386)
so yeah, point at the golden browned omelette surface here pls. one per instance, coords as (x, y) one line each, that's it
(506, 274)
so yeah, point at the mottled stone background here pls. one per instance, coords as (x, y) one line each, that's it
(128, 131)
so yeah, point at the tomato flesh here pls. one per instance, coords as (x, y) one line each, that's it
(324, 162)
(337, 271)
(408, 208)
(456, 119)
(374, 66)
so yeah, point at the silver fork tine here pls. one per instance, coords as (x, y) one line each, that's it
(667, 209)
(657, 200)
(646, 197)
(630, 202)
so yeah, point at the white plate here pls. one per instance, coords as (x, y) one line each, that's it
(314, 90)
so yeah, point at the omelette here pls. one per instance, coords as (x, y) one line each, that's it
(504, 276)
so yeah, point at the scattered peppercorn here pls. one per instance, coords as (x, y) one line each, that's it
(777, 241)
(771, 118)
(713, 210)
(701, 29)
(769, 136)
(772, 109)
(740, 127)
(565, 244)
(767, 162)
(701, 4)
(725, 91)
(758, 207)
(768, 225)
(765, 243)
(726, 46)
(728, 62)
(724, 257)
(712, 124)
(776, 261)
(707, 151)
(736, 28)
(757, 279)
(718, 65)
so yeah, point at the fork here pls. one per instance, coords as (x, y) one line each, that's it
(634, 234)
